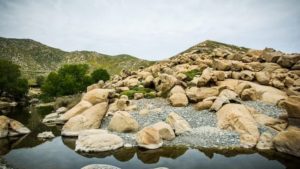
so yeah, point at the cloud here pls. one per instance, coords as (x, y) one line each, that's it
(155, 29)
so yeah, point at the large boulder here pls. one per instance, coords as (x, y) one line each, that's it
(11, 127)
(226, 96)
(263, 77)
(178, 123)
(237, 117)
(179, 100)
(97, 95)
(271, 55)
(247, 75)
(196, 94)
(89, 119)
(288, 142)
(97, 140)
(164, 82)
(292, 106)
(149, 138)
(4, 122)
(77, 109)
(265, 141)
(122, 121)
(99, 166)
(165, 130)
(203, 105)
(222, 64)
(288, 61)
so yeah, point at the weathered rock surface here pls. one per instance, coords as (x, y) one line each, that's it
(46, 135)
(97, 95)
(179, 124)
(100, 166)
(165, 130)
(89, 119)
(149, 138)
(79, 108)
(122, 121)
(292, 106)
(11, 127)
(97, 140)
(288, 142)
(265, 141)
(237, 117)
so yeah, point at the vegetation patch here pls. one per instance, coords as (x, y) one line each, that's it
(148, 93)
(192, 73)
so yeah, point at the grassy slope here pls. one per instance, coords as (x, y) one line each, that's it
(35, 58)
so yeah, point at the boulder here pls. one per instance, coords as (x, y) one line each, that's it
(288, 142)
(122, 121)
(263, 77)
(179, 124)
(237, 117)
(177, 89)
(270, 55)
(221, 64)
(4, 122)
(203, 105)
(100, 166)
(179, 100)
(205, 77)
(97, 140)
(265, 141)
(292, 106)
(18, 127)
(89, 119)
(46, 135)
(165, 130)
(288, 61)
(197, 94)
(77, 109)
(11, 127)
(164, 82)
(226, 96)
(97, 95)
(149, 138)
(247, 75)
(249, 94)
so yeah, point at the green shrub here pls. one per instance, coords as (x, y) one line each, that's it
(70, 79)
(11, 82)
(100, 74)
(40, 80)
(192, 73)
(148, 93)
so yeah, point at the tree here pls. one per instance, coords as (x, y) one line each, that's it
(100, 74)
(11, 82)
(69, 79)
(40, 80)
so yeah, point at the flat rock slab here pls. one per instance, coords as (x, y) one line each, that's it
(100, 166)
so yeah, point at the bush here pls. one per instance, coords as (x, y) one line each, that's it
(40, 80)
(70, 79)
(148, 93)
(11, 82)
(100, 74)
(192, 73)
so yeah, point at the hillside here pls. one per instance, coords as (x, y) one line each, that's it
(36, 58)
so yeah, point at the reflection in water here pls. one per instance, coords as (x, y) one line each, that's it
(59, 153)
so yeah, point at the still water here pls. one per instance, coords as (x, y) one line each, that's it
(30, 153)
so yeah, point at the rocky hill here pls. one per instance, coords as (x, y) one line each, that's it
(212, 95)
(36, 58)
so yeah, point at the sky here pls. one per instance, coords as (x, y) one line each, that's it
(152, 29)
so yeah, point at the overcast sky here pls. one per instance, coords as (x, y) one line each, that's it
(152, 29)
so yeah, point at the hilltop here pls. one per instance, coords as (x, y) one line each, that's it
(35, 58)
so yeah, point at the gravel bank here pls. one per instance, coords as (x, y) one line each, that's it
(204, 133)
